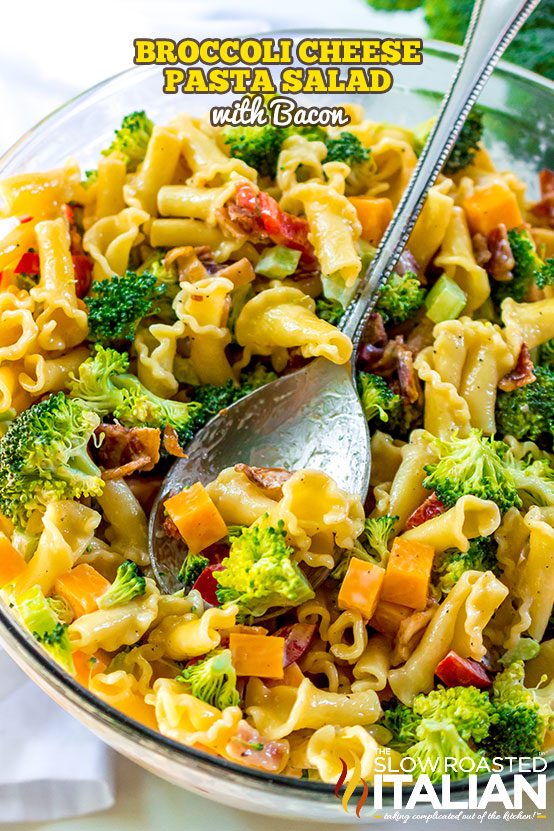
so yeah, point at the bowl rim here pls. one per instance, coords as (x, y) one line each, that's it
(20, 642)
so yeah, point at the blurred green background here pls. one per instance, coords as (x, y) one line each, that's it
(533, 48)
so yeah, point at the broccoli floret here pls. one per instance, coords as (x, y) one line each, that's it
(467, 143)
(452, 563)
(400, 298)
(128, 584)
(45, 626)
(395, 5)
(213, 679)
(43, 457)
(533, 47)
(402, 723)
(378, 531)
(103, 384)
(91, 177)
(529, 270)
(534, 480)
(131, 139)
(524, 650)
(439, 741)
(546, 354)
(258, 147)
(167, 283)
(522, 715)
(117, 305)
(329, 310)
(259, 572)
(528, 412)
(448, 20)
(192, 568)
(377, 398)
(468, 709)
(347, 148)
(472, 465)
(216, 398)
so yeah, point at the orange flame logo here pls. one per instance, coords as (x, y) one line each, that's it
(356, 779)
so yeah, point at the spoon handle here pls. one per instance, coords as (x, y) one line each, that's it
(493, 25)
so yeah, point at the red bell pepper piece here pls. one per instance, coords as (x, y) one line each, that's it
(28, 264)
(206, 584)
(281, 227)
(427, 510)
(298, 639)
(24, 219)
(455, 671)
(83, 274)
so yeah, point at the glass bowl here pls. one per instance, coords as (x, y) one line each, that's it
(519, 124)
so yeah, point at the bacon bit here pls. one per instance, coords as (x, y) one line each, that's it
(145, 489)
(407, 378)
(252, 750)
(216, 552)
(125, 450)
(494, 253)
(240, 273)
(269, 479)
(544, 209)
(420, 336)
(298, 639)
(171, 442)
(427, 510)
(243, 221)
(206, 257)
(522, 374)
(170, 529)
(408, 262)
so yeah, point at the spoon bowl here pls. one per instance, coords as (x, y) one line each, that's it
(310, 418)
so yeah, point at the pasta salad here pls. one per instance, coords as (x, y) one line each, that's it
(192, 266)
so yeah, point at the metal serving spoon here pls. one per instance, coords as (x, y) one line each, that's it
(312, 418)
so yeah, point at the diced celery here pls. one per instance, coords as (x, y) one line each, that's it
(278, 262)
(445, 300)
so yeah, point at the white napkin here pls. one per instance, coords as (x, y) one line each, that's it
(51, 766)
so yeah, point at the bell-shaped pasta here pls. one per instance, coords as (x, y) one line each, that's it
(104, 559)
(156, 171)
(329, 746)
(40, 195)
(432, 224)
(68, 527)
(407, 492)
(284, 318)
(461, 372)
(43, 375)
(334, 229)
(156, 348)
(316, 611)
(386, 457)
(188, 636)
(12, 396)
(535, 580)
(457, 260)
(121, 625)
(318, 515)
(18, 333)
(372, 667)
(121, 690)
(277, 711)
(317, 662)
(482, 593)
(299, 156)
(194, 202)
(203, 308)
(238, 500)
(530, 323)
(110, 239)
(62, 319)
(169, 233)
(127, 528)
(112, 173)
(208, 164)
(469, 518)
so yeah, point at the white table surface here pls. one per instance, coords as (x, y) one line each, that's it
(147, 803)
